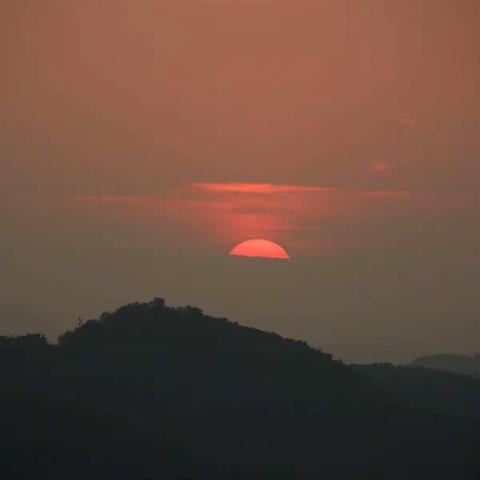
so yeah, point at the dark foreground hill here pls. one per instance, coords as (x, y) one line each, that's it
(461, 364)
(435, 390)
(156, 392)
(42, 437)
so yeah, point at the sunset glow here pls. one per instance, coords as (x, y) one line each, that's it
(144, 141)
(259, 247)
(257, 188)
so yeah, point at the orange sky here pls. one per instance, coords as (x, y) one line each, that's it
(140, 141)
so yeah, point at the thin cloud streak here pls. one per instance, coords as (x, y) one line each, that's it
(265, 188)
(306, 217)
(401, 194)
(380, 167)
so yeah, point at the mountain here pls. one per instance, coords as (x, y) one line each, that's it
(462, 364)
(47, 438)
(186, 395)
(199, 361)
(435, 390)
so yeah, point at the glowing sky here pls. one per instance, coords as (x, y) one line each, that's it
(140, 141)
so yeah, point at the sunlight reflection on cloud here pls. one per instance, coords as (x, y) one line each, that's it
(308, 217)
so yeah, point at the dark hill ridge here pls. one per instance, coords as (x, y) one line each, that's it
(435, 390)
(204, 361)
(246, 404)
(461, 364)
(42, 437)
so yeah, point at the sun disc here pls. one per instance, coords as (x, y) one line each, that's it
(259, 247)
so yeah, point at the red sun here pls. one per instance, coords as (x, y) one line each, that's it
(259, 247)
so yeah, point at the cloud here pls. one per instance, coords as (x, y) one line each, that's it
(265, 188)
(219, 215)
(400, 194)
(380, 167)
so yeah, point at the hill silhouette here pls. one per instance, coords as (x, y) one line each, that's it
(461, 364)
(205, 361)
(435, 390)
(46, 438)
(187, 395)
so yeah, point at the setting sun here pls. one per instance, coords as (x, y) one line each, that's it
(259, 247)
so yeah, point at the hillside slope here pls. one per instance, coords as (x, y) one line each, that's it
(461, 364)
(438, 391)
(201, 362)
(250, 403)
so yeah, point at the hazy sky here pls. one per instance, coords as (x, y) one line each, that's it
(140, 140)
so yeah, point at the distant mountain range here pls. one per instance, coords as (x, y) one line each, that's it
(435, 390)
(150, 392)
(461, 364)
